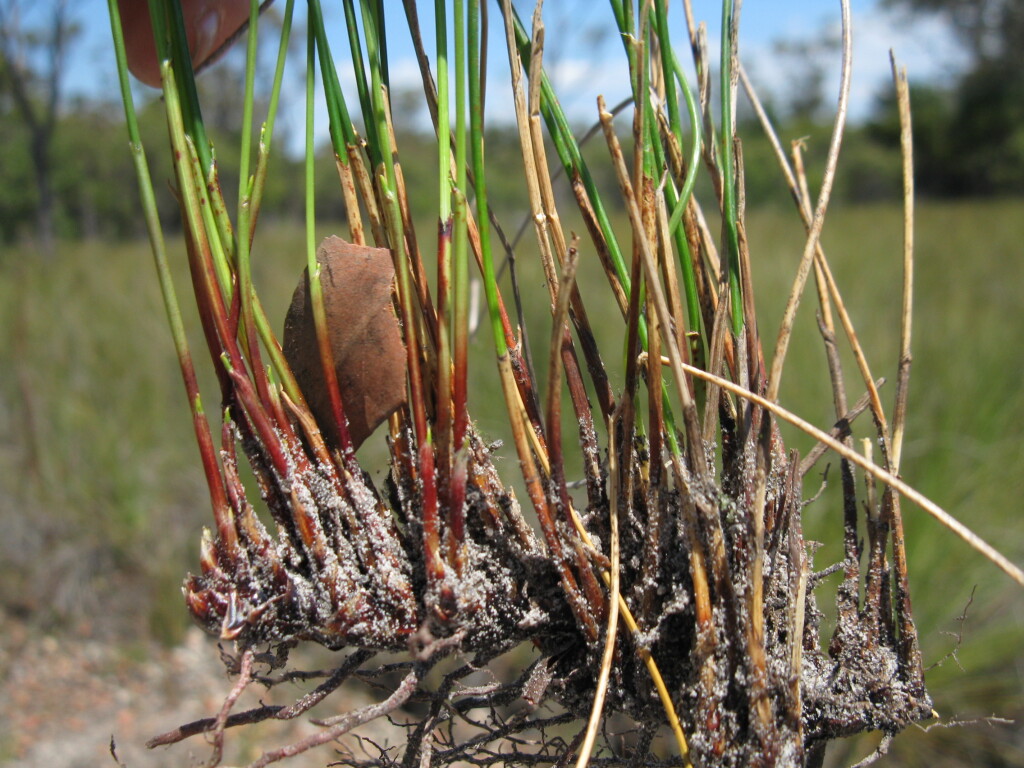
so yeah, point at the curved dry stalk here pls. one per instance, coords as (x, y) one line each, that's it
(786, 327)
(827, 284)
(929, 506)
(840, 430)
(664, 696)
(895, 446)
(613, 608)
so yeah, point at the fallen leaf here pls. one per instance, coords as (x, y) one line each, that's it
(366, 341)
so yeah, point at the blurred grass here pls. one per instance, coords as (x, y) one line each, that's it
(97, 474)
(102, 498)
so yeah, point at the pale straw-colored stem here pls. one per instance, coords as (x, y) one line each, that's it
(899, 418)
(786, 328)
(594, 723)
(929, 506)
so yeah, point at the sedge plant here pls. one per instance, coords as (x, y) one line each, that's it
(668, 591)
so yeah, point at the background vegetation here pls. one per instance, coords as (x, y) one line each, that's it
(101, 495)
(67, 154)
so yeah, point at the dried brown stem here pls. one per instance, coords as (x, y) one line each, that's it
(909, 646)
(786, 327)
(823, 271)
(907, 150)
(840, 431)
(696, 453)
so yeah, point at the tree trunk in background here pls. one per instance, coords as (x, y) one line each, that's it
(41, 143)
(31, 69)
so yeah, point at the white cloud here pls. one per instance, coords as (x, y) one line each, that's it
(926, 46)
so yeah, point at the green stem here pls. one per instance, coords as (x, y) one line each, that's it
(460, 236)
(172, 44)
(266, 333)
(245, 196)
(213, 217)
(667, 56)
(680, 202)
(387, 182)
(267, 132)
(452, 487)
(372, 139)
(476, 126)
(316, 297)
(341, 130)
(200, 425)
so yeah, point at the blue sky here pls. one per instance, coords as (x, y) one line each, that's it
(593, 63)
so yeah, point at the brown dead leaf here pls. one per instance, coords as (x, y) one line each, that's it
(366, 342)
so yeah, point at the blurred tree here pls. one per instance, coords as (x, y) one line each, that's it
(17, 193)
(987, 134)
(992, 30)
(31, 70)
(932, 109)
(973, 143)
(806, 62)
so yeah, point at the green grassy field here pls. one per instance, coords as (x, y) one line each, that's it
(102, 498)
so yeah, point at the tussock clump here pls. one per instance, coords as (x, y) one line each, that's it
(669, 600)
